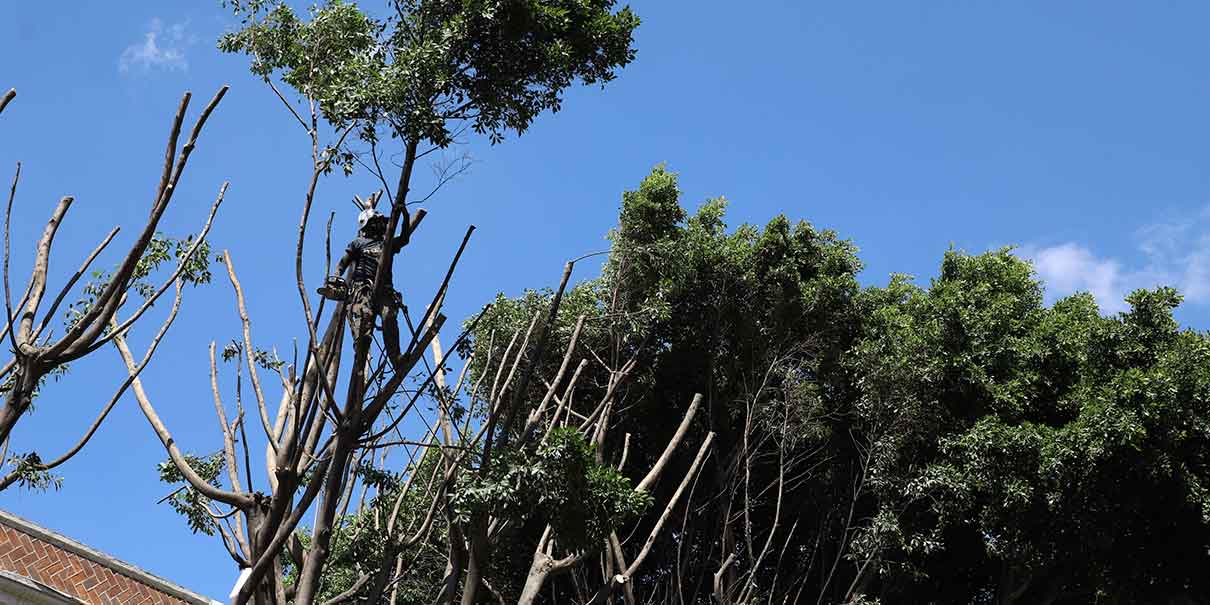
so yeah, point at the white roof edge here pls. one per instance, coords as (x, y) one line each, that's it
(34, 592)
(101, 558)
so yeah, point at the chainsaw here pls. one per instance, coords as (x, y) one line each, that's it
(335, 288)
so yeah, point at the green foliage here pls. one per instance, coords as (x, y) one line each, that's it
(653, 213)
(988, 445)
(55, 374)
(187, 501)
(953, 442)
(496, 63)
(161, 249)
(359, 544)
(353, 549)
(234, 350)
(513, 315)
(30, 475)
(561, 483)
(757, 318)
(1040, 449)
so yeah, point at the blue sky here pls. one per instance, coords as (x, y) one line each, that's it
(1077, 130)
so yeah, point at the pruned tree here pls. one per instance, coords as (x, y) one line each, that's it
(422, 75)
(501, 467)
(94, 319)
(545, 467)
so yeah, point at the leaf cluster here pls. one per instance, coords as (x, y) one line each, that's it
(187, 501)
(160, 250)
(559, 482)
(30, 474)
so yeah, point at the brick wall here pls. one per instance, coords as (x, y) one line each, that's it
(76, 570)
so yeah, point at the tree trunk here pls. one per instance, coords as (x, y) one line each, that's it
(538, 573)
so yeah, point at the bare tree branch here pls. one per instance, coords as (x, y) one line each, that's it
(7, 98)
(238, 500)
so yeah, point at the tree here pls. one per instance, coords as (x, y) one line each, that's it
(427, 72)
(1082, 478)
(93, 320)
(961, 442)
(758, 318)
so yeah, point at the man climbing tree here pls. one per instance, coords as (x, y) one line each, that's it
(360, 261)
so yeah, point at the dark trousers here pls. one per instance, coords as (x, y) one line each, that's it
(362, 312)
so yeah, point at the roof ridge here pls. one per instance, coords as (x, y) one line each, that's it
(131, 571)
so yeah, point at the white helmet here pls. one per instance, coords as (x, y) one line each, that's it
(367, 215)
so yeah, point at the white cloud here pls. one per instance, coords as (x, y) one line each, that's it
(161, 48)
(1070, 267)
(1175, 253)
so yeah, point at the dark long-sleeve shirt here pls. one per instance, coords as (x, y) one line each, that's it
(361, 258)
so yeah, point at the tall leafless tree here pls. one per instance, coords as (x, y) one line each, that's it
(35, 354)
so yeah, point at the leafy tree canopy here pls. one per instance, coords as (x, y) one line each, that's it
(495, 64)
(960, 442)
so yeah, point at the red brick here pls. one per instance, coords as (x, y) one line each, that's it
(68, 572)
